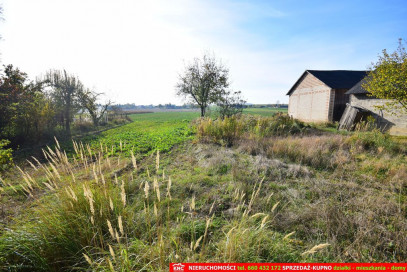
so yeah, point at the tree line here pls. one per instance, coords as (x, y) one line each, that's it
(31, 111)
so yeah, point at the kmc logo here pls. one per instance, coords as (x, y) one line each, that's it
(178, 267)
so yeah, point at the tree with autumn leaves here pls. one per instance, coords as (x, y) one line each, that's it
(388, 80)
(204, 81)
(25, 111)
(31, 111)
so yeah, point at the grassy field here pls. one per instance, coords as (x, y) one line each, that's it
(145, 134)
(264, 111)
(151, 131)
(267, 189)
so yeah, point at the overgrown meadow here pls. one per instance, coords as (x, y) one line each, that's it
(164, 189)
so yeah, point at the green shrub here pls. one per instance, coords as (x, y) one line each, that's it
(83, 126)
(278, 125)
(6, 156)
(222, 131)
(119, 121)
(373, 141)
(229, 130)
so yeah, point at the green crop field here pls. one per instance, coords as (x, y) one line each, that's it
(148, 132)
(264, 111)
(151, 131)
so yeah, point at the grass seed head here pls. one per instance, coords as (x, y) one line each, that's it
(169, 188)
(87, 258)
(112, 253)
(263, 222)
(72, 194)
(120, 222)
(257, 214)
(197, 242)
(146, 189)
(157, 161)
(213, 205)
(155, 210)
(111, 204)
(32, 165)
(110, 265)
(192, 205)
(92, 208)
(73, 177)
(117, 236)
(269, 197)
(275, 206)
(288, 235)
(155, 183)
(158, 194)
(133, 160)
(123, 194)
(315, 249)
(109, 225)
(94, 174)
(230, 231)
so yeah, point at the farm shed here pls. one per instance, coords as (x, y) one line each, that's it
(319, 95)
(351, 116)
(393, 122)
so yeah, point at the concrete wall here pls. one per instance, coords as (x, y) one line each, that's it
(311, 101)
(396, 124)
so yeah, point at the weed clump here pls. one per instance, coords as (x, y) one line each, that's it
(374, 141)
(6, 157)
(229, 130)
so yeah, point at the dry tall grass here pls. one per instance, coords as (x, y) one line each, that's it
(210, 203)
(85, 216)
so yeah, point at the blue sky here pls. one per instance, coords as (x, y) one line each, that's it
(134, 50)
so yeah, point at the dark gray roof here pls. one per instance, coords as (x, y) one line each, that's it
(335, 79)
(357, 89)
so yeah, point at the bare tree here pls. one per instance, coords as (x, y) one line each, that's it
(203, 81)
(117, 110)
(65, 93)
(87, 100)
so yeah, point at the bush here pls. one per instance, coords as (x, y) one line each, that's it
(229, 130)
(6, 156)
(222, 131)
(278, 125)
(83, 126)
(375, 141)
(119, 121)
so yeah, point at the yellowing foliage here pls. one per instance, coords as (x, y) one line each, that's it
(388, 79)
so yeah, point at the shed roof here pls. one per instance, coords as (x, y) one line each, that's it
(357, 89)
(335, 79)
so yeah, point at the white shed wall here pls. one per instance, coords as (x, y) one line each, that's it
(310, 101)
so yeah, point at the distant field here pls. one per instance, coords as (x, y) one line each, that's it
(147, 132)
(264, 111)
